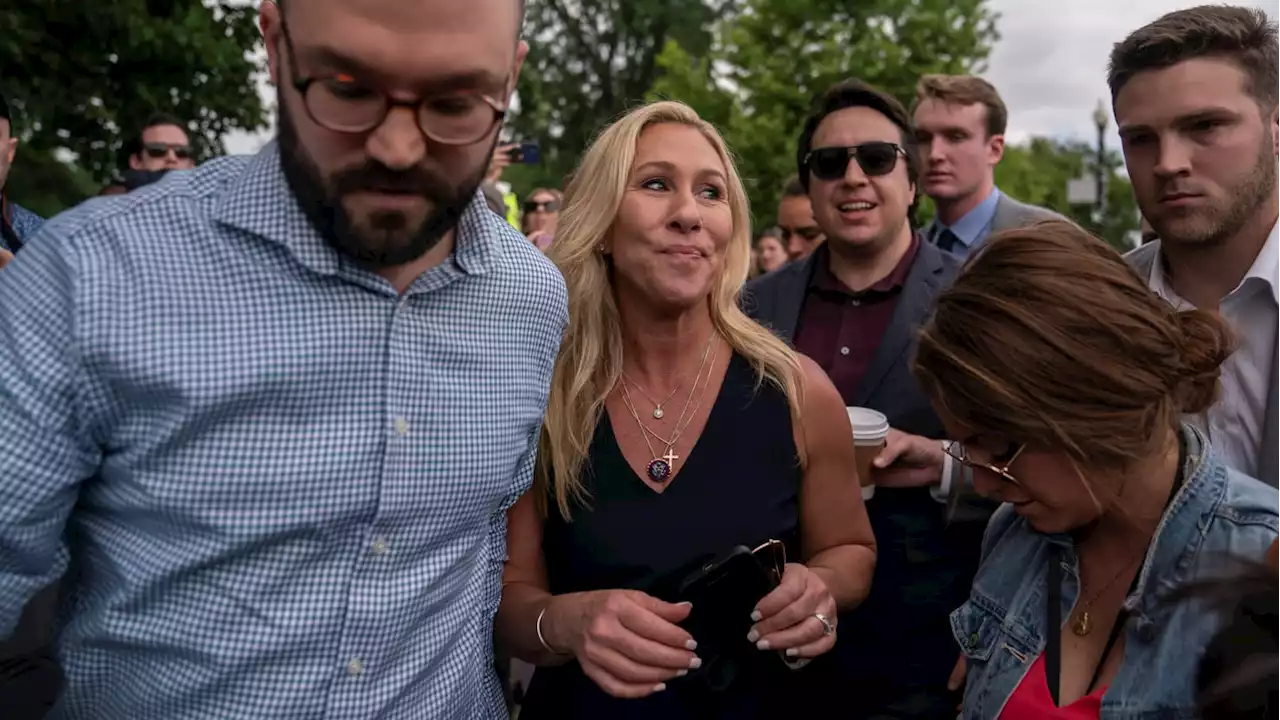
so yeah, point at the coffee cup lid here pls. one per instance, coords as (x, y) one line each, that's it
(867, 423)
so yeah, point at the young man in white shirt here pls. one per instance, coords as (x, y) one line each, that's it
(1195, 100)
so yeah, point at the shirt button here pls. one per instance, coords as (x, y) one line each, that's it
(380, 547)
(355, 668)
(844, 350)
(401, 426)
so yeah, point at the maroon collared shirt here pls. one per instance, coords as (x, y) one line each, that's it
(841, 329)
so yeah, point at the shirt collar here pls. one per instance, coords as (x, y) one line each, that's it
(1266, 267)
(971, 228)
(823, 279)
(1265, 270)
(260, 202)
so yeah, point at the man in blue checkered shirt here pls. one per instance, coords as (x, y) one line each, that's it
(269, 414)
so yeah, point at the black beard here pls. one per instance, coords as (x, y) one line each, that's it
(388, 240)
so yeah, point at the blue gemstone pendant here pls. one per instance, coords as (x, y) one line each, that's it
(659, 470)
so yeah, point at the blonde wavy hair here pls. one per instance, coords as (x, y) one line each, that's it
(590, 361)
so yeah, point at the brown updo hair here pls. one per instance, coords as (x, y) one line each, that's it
(1050, 338)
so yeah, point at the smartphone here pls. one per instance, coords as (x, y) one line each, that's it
(526, 154)
(724, 593)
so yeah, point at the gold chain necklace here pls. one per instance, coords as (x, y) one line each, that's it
(1084, 622)
(660, 468)
(658, 412)
(685, 415)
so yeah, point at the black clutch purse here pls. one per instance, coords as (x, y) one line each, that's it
(724, 592)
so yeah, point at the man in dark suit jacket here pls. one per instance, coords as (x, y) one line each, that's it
(960, 121)
(854, 306)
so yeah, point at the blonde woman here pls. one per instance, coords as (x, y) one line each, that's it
(676, 430)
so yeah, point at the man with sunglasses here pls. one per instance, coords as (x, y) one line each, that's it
(854, 306)
(272, 411)
(163, 144)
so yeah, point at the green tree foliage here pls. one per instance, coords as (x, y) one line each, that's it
(1038, 172)
(589, 61)
(82, 75)
(45, 185)
(770, 59)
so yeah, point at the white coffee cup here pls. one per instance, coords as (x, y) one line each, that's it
(870, 428)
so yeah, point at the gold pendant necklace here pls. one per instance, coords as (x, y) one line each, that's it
(1083, 624)
(661, 467)
(658, 412)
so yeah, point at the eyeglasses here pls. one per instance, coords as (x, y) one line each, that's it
(874, 158)
(342, 104)
(960, 453)
(548, 206)
(773, 554)
(158, 150)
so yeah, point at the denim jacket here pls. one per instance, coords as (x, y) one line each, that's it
(1001, 628)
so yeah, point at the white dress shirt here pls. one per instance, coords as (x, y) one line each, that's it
(1234, 423)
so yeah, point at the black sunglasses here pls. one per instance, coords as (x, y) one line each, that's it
(549, 206)
(159, 150)
(874, 158)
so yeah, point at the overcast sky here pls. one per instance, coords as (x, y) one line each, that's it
(1051, 62)
(1049, 65)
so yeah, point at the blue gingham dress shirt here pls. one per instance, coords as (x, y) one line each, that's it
(280, 486)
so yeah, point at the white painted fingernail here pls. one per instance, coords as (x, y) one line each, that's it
(753, 636)
(763, 645)
(792, 652)
(691, 644)
(681, 673)
(659, 687)
(756, 616)
(685, 602)
(695, 663)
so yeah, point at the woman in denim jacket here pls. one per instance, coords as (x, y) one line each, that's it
(1065, 379)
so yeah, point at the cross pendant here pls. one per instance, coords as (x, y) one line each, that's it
(671, 458)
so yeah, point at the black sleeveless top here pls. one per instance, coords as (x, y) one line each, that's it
(739, 485)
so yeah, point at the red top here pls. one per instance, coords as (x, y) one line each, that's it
(1031, 700)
